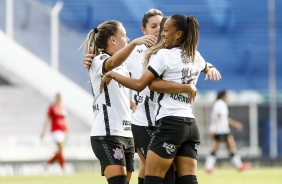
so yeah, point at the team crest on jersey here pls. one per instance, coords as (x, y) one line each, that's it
(170, 148)
(118, 153)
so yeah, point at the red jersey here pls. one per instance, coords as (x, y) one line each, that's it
(57, 116)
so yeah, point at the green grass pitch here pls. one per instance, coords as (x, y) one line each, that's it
(222, 176)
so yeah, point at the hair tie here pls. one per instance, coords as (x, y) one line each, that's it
(95, 30)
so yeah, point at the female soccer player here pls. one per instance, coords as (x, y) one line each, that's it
(143, 119)
(57, 117)
(220, 132)
(111, 136)
(177, 138)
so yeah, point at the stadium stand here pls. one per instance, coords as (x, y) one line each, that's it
(234, 34)
(26, 91)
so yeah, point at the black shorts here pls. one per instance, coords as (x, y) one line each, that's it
(221, 137)
(142, 137)
(176, 136)
(114, 150)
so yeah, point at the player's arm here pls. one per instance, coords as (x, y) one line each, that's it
(131, 83)
(66, 124)
(236, 124)
(120, 56)
(45, 125)
(163, 86)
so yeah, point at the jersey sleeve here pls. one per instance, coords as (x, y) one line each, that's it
(217, 108)
(200, 60)
(99, 64)
(157, 64)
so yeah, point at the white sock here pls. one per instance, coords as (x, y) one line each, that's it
(210, 162)
(236, 160)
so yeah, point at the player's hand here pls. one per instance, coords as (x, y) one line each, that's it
(213, 74)
(88, 58)
(149, 40)
(192, 91)
(105, 80)
(133, 106)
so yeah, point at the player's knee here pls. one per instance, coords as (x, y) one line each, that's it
(121, 179)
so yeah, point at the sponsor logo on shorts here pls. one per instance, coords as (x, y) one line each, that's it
(118, 153)
(170, 148)
(142, 151)
(197, 147)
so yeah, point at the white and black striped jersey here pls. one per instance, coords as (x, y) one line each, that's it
(170, 64)
(112, 115)
(134, 65)
(144, 114)
(219, 118)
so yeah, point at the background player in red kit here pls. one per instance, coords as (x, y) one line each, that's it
(56, 115)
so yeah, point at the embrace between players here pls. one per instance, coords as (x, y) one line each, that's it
(142, 94)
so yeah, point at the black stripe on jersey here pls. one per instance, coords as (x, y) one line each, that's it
(147, 111)
(103, 67)
(107, 97)
(161, 96)
(153, 71)
(106, 120)
(152, 93)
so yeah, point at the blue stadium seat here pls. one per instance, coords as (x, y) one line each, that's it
(234, 34)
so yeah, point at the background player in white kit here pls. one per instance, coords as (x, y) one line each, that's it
(177, 138)
(111, 136)
(220, 133)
